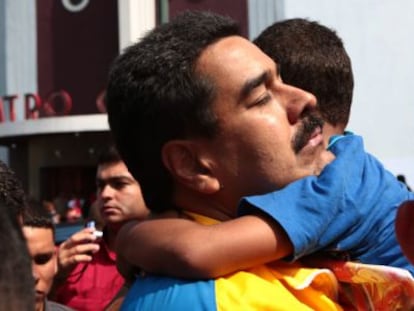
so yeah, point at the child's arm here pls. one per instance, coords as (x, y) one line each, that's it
(184, 248)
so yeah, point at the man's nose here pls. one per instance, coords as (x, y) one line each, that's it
(106, 192)
(298, 102)
(35, 273)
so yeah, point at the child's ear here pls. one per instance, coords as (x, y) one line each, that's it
(188, 166)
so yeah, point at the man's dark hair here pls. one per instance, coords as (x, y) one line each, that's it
(36, 215)
(155, 95)
(11, 190)
(312, 57)
(401, 178)
(16, 278)
(109, 155)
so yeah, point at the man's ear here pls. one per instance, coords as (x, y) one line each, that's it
(187, 166)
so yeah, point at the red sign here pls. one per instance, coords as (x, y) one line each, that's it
(58, 103)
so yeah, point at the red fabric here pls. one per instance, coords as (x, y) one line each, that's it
(92, 286)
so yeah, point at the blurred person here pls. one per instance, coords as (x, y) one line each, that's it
(50, 207)
(16, 280)
(11, 191)
(39, 232)
(73, 215)
(88, 278)
(60, 202)
(202, 118)
(74, 210)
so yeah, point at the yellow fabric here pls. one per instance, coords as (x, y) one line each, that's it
(275, 286)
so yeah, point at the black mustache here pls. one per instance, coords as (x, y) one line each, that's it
(309, 124)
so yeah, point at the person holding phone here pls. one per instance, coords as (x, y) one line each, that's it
(88, 278)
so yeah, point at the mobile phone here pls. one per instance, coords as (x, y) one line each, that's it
(96, 233)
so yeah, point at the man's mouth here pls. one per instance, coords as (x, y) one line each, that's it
(310, 133)
(107, 209)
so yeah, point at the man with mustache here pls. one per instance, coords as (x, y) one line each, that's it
(202, 118)
(348, 212)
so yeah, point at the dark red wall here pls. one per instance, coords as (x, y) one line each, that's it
(236, 9)
(76, 49)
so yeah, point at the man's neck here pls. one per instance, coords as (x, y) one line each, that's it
(111, 231)
(331, 130)
(206, 205)
(40, 306)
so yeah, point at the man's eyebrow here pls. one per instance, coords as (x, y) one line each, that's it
(115, 178)
(252, 83)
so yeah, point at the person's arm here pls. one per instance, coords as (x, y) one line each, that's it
(316, 211)
(183, 248)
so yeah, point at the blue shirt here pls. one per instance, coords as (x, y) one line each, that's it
(350, 208)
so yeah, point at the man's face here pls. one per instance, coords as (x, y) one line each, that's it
(262, 144)
(118, 194)
(41, 247)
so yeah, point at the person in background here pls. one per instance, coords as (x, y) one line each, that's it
(11, 191)
(50, 207)
(60, 203)
(16, 281)
(74, 210)
(348, 212)
(38, 229)
(88, 278)
(202, 118)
